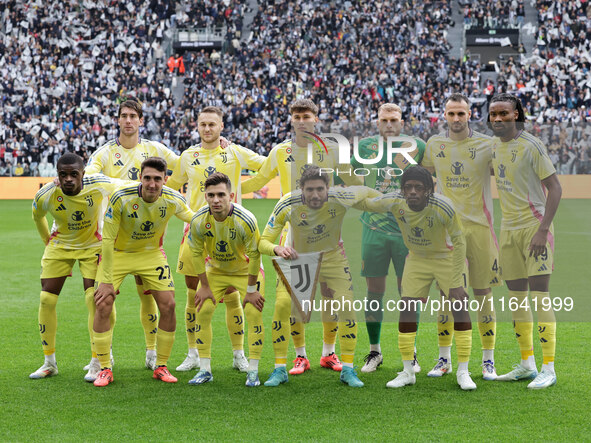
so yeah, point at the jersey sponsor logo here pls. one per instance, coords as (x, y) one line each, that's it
(417, 232)
(133, 173)
(232, 234)
(89, 200)
(441, 155)
(502, 168)
(319, 229)
(162, 211)
(78, 215)
(513, 155)
(147, 226)
(457, 168)
(472, 152)
(118, 163)
(61, 207)
(221, 246)
(208, 171)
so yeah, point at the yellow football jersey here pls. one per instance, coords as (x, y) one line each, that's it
(231, 244)
(197, 163)
(463, 173)
(77, 219)
(313, 230)
(113, 160)
(520, 164)
(289, 161)
(435, 232)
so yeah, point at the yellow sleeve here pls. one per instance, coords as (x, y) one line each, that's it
(253, 161)
(178, 177)
(541, 162)
(274, 227)
(265, 173)
(427, 162)
(381, 203)
(183, 211)
(455, 231)
(39, 213)
(95, 163)
(252, 250)
(110, 231)
(196, 243)
(172, 160)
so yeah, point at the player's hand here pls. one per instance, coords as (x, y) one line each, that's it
(285, 252)
(224, 142)
(103, 291)
(201, 295)
(56, 181)
(458, 293)
(254, 298)
(537, 245)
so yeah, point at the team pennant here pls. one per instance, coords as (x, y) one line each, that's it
(300, 277)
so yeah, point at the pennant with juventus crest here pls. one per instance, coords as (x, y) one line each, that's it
(300, 277)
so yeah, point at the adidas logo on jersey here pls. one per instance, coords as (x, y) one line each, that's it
(289, 159)
(303, 223)
(543, 268)
(61, 207)
(441, 155)
(118, 163)
(208, 234)
(195, 162)
(133, 215)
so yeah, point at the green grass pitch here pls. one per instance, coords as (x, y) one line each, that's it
(314, 406)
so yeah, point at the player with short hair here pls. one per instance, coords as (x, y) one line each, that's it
(290, 159)
(523, 172)
(461, 159)
(77, 206)
(122, 158)
(315, 213)
(227, 233)
(196, 164)
(428, 222)
(381, 241)
(135, 224)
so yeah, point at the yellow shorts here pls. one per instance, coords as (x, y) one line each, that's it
(185, 264)
(218, 283)
(58, 262)
(419, 273)
(482, 252)
(151, 266)
(515, 260)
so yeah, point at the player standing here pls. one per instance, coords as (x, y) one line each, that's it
(461, 158)
(316, 214)
(290, 159)
(428, 221)
(196, 164)
(230, 235)
(122, 158)
(523, 171)
(382, 241)
(77, 209)
(135, 224)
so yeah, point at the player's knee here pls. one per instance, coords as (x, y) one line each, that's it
(167, 306)
(104, 308)
(47, 300)
(282, 308)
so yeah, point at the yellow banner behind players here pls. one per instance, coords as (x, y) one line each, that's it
(24, 188)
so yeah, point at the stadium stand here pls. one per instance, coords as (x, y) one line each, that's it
(60, 84)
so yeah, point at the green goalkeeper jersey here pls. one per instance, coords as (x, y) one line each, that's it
(384, 177)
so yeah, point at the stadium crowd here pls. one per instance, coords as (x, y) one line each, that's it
(61, 84)
(493, 15)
